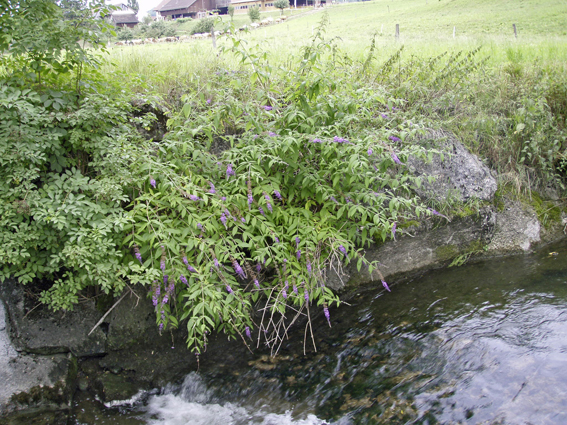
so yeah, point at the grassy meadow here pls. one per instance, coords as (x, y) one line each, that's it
(460, 67)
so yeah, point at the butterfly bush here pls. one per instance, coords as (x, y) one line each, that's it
(324, 187)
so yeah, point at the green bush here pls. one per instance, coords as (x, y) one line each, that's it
(204, 25)
(281, 4)
(254, 13)
(183, 20)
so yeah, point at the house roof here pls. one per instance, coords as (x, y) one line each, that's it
(125, 18)
(175, 4)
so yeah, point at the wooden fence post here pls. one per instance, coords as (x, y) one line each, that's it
(515, 32)
(397, 31)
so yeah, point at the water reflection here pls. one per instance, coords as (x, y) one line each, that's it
(485, 343)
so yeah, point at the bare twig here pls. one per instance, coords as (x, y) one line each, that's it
(107, 313)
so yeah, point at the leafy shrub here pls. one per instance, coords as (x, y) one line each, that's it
(183, 20)
(204, 25)
(254, 13)
(281, 4)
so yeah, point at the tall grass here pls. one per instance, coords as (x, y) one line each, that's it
(504, 97)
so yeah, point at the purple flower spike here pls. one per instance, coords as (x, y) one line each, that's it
(256, 283)
(297, 240)
(250, 200)
(229, 289)
(212, 189)
(161, 327)
(223, 219)
(267, 108)
(272, 134)
(183, 279)
(139, 257)
(342, 249)
(270, 207)
(191, 269)
(199, 226)
(396, 159)
(386, 286)
(327, 314)
(165, 277)
(238, 269)
(294, 289)
(332, 198)
(277, 239)
(153, 183)
(223, 198)
(277, 195)
(284, 293)
(155, 300)
(395, 139)
(258, 267)
(306, 295)
(165, 299)
(298, 254)
(370, 152)
(338, 139)
(309, 267)
(385, 116)
(208, 101)
(316, 140)
(262, 211)
(242, 219)
(217, 265)
(162, 265)
(247, 331)
(394, 229)
(194, 198)
(229, 171)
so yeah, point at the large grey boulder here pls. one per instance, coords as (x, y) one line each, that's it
(42, 331)
(517, 229)
(41, 383)
(457, 175)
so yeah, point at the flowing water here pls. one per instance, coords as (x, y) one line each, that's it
(485, 343)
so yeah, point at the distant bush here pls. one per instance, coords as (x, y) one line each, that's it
(281, 4)
(254, 13)
(124, 34)
(203, 26)
(183, 20)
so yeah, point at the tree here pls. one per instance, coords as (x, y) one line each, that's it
(281, 4)
(254, 13)
(231, 11)
(133, 4)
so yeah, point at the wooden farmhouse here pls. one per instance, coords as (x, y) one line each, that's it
(124, 16)
(242, 6)
(174, 9)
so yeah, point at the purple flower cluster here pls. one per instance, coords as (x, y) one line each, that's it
(229, 289)
(309, 267)
(238, 269)
(155, 297)
(297, 240)
(256, 283)
(212, 189)
(267, 108)
(183, 279)
(306, 295)
(342, 249)
(277, 195)
(338, 139)
(153, 182)
(385, 285)
(327, 314)
(191, 269)
(395, 139)
(162, 265)
(165, 277)
(396, 159)
(295, 289)
(194, 198)
(200, 226)
(247, 331)
(332, 198)
(250, 200)
(258, 267)
(370, 152)
(229, 171)
(223, 219)
(272, 134)
(385, 116)
(242, 219)
(268, 199)
(277, 239)
(298, 254)
(262, 211)
(208, 101)
(316, 140)
(139, 257)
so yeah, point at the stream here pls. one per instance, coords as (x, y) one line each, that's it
(485, 343)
